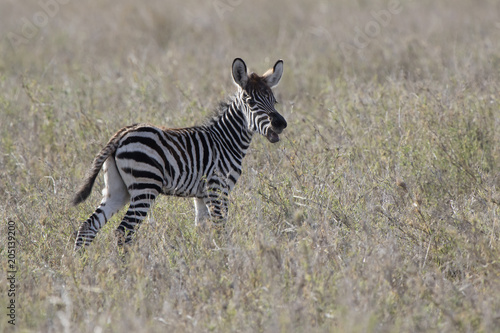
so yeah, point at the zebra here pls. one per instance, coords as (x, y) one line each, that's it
(142, 161)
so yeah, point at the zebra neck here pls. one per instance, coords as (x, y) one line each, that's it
(230, 128)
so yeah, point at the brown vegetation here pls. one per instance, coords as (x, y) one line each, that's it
(377, 212)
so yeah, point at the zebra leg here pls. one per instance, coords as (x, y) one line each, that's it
(216, 205)
(202, 212)
(115, 196)
(138, 210)
(218, 209)
(216, 202)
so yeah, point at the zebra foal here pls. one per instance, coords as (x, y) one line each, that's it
(142, 161)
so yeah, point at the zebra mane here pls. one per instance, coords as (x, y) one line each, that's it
(219, 111)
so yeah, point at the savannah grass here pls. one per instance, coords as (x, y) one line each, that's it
(378, 211)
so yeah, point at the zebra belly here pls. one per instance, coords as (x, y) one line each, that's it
(197, 189)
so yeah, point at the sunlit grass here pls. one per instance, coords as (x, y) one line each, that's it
(377, 211)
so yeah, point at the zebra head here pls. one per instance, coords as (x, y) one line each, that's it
(258, 99)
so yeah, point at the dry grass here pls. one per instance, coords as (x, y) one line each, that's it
(377, 212)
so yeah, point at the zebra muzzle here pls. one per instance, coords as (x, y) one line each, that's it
(278, 124)
(272, 136)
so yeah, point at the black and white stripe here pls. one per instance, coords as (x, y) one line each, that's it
(142, 161)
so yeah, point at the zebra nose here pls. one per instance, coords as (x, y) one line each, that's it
(278, 122)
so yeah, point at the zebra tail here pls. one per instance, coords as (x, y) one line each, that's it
(110, 148)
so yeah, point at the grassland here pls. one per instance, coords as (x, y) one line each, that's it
(379, 211)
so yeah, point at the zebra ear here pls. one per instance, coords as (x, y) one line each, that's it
(273, 76)
(240, 75)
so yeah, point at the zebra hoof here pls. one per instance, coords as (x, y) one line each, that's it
(120, 237)
(123, 238)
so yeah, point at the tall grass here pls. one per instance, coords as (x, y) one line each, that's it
(377, 212)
